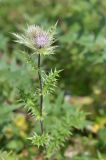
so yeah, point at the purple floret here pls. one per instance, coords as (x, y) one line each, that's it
(41, 40)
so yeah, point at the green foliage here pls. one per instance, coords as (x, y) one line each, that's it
(82, 54)
(99, 157)
(30, 102)
(50, 81)
(7, 156)
(7, 112)
(60, 121)
(101, 136)
(84, 158)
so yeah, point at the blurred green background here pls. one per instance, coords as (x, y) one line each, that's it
(81, 53)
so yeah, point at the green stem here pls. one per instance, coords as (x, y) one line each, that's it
(41, 94)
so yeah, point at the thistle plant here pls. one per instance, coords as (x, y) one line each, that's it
(40, 43)
(59, 117)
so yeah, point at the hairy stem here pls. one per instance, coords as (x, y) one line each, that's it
(41, 95)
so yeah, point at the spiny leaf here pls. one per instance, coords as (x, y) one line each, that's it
(29, 101)
(40, 140)
(50, 81)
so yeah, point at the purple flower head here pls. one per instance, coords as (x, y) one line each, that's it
(39, 37)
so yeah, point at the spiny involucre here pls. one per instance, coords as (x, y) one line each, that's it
(38, 39)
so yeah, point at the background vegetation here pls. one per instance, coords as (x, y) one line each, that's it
(81, 37)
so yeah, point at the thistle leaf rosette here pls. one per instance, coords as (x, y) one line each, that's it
(38, 39)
